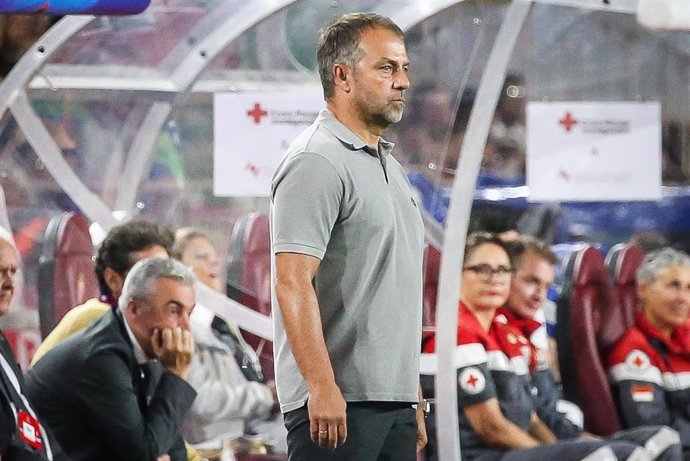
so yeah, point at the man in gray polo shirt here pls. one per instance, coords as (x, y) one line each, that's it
(347, 256)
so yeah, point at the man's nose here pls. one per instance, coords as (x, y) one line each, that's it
(214, 262)
(7, 277)
(685, 296)
(184, 322)
(402, 81)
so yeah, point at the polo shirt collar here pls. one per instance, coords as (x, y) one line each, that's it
(347, 137)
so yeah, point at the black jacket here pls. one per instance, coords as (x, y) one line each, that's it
(90, 391)
(12, 448)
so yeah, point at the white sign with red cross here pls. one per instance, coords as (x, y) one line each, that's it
(593, 151)
(251, 132)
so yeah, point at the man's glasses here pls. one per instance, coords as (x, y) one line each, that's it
(485, 271)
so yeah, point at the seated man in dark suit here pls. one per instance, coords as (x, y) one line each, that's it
(22, 437)
(103, 392)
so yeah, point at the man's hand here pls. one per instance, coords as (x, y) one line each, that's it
(589, 436)
(327, 417)
(174, 347)
(163, 458)
(422, 438)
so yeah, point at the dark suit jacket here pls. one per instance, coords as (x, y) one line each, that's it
(11, 447)
(89, 391)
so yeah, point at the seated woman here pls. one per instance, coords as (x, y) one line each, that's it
(497, 413)
(233, 398)
(649, 365)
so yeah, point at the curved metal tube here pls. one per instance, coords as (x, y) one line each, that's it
(140, 157)
(21, 74)
(456, 228)
(183, 75)
(50, 154)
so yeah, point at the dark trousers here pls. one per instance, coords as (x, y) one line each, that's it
(376, 431)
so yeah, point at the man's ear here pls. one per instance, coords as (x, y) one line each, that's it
(133, 308)
(342, 76)
(114, 281)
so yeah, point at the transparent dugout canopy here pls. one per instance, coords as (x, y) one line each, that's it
(113, 116)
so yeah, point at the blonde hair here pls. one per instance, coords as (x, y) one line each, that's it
(183, 237)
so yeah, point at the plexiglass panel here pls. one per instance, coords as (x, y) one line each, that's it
(142, 40)
(128, 105)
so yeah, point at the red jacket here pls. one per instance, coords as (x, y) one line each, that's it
(651, 377)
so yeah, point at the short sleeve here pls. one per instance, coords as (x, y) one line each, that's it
(306, 196)
(475, 383)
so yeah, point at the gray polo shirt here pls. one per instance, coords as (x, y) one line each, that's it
(335, 198)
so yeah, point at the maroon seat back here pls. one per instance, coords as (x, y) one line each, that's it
(622, 261)
(432, 263)
(257, 265)
(249, 276)
(586, 294)
(66, 274)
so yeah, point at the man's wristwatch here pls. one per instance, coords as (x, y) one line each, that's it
(424, 406)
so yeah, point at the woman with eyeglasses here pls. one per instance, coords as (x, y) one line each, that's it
(496, 408)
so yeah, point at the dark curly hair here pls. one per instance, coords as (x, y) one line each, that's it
(116, 250)
(477, 239)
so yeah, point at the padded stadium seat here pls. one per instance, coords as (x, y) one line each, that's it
(66, 275)
(248, 276)
(622, 261)
(585, 293)
(432, 263)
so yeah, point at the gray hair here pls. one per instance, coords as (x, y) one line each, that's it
(141, 279)
(339, 43)
(656, 261)
(6, 236)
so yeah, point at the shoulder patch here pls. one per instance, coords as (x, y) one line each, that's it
(472, 380)
(637, 361)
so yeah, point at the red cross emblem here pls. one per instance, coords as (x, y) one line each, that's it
(471, 380)
(253, 169)
(256, 113)
(568, 122)
(637, 360)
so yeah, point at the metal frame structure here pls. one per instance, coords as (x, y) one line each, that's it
(178, 76)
